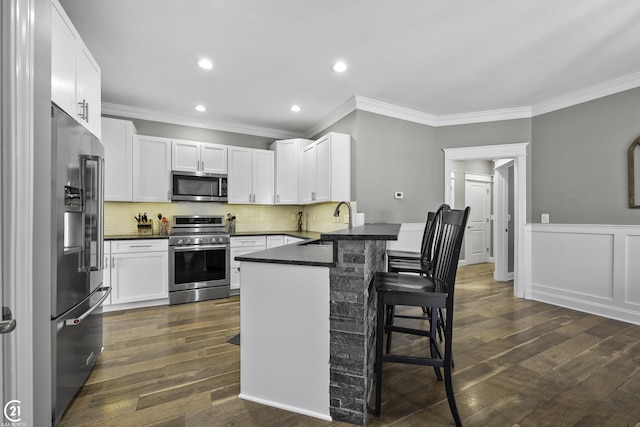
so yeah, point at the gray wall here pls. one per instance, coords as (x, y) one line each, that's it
(580, 161)
(396, 155)
(491, 133)
(168, 130)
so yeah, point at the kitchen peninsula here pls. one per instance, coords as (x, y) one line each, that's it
(307, 323)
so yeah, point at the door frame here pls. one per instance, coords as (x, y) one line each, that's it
(17, 165)
(517, 151)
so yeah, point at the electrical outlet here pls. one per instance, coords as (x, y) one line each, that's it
(398, 195)
(292, 217)
(544, 218)
(313, 218)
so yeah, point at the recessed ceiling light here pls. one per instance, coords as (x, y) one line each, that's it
(201, 108)
(204, 63)
(295, 108)
(339, 67)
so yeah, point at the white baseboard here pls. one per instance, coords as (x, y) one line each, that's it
(313, 414)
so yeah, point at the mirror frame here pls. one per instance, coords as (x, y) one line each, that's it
(635, 145)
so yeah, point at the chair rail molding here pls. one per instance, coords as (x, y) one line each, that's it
(590, 268)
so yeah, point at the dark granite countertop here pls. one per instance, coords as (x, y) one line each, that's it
(300, 234)
(365, 232)
(322, 254)
(296, 254)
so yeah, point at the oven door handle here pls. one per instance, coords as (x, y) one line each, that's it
(198, 247)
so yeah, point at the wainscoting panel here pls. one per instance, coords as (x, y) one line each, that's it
(632, 273)
(592, 268)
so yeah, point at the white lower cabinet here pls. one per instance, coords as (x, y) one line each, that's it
(137, 270)
(243, 246)
(275, 241)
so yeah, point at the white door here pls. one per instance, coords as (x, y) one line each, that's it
(477, 196)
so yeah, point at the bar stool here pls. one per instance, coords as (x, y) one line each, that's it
(435, 292)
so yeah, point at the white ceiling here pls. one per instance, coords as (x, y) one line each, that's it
(436, 57)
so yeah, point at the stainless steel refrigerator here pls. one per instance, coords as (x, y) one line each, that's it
(77, 282)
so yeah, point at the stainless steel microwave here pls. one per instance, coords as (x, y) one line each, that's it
(198, 187)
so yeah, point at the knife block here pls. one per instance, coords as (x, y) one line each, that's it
(145, 228)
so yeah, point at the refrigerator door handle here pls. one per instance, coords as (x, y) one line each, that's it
(77, 320)
(8, 323)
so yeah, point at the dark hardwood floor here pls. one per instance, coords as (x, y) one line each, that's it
(518, 363)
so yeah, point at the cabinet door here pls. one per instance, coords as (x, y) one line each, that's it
(185, 156)
(117, 138)
(263, 177)
(152, 168)
(139, 276)
(88, 89)
(287, 172)
(213, 158)
(290, 239)
(309, 174)
(323, 170)
(234, 277)
(63, 62)
(239, 185)
(275, 241)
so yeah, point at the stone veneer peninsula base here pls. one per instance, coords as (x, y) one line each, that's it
(352, 311)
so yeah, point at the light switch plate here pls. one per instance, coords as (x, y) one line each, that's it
(398, 195)
(544, 218)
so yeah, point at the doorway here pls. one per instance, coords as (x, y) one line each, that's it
(518, 152)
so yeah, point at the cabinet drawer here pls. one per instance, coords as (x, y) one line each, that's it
(155, 245)
(259, 241)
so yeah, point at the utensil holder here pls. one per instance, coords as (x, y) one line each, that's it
(164, 228)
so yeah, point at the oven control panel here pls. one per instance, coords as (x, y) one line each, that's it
(199, 240)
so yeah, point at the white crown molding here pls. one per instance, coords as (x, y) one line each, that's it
(589, 94)
(484, 116)
(159, 116)
(391, 110)
(342, 111)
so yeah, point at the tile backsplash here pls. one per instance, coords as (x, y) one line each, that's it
(119, 216)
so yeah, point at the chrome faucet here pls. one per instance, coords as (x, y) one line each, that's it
(336, 213)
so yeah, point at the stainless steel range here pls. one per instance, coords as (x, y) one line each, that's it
(198, 259)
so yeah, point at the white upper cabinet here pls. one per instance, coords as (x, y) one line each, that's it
(251, 176)
(192, 156)
(326, 169)
(117, 138)
(75, 75)
(151, 169)
(288, 182)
